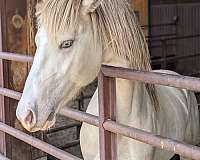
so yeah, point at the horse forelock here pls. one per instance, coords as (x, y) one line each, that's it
(57, 15)
(114, 23)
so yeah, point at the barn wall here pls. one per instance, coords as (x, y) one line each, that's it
(15, 40)
(2, 115)
(184, 20)
(142, 7)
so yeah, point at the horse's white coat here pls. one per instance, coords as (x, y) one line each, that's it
(178, 119)
(58, 74)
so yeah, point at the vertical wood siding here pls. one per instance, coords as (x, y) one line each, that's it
(2, 111)
(14, 40)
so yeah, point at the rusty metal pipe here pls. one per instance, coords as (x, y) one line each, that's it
(2, 157)
(80, 116)
(37, 143)
(157, 141)
(178, 81)
(10, 93)
(186, 150)
(15, 57)
(107, 110)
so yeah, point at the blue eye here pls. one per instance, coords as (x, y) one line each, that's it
(66, 44)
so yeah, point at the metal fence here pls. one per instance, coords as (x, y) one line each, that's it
(108, 127)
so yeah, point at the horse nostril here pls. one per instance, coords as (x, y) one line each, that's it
(29, 120)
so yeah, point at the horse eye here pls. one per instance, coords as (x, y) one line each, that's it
(66, 44)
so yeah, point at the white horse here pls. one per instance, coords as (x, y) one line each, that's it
(74, 38)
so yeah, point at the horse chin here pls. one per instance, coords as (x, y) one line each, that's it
(48, 124)
(33, 130)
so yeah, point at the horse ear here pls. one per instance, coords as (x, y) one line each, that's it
(90, 5)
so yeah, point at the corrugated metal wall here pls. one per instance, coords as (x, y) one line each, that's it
(180, 37)
(189, 24)
(163, 27)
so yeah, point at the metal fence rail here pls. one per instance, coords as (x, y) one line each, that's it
(15, 57)
(37, 143)
(106, 121)
(178, 81)
(146, 137)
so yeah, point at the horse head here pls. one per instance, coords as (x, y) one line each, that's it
(67, 59)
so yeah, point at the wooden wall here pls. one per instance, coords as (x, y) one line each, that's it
(18, 35)
(2, 111)
(142, 7)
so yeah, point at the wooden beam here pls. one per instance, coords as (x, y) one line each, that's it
(141, 6)
(2, 106)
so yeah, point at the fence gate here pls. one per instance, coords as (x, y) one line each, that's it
(108, 127)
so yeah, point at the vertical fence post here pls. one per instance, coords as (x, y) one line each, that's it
(107, 110)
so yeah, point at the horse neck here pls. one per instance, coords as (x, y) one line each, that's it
(129, 93)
